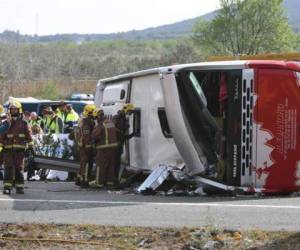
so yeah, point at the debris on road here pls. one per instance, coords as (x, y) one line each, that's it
(170, 181)
(155, 179)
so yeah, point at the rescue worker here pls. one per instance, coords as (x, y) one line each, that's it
(14, 142)
(54, 123)
(35, 120)
(70, 119)
(82, 137)
(105, 138)
(122, 126)
(61, 109)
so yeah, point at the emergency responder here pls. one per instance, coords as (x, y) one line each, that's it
(82, 137)
(61, 109)
(122, 126)
(14, 142)
(54, 123)
(70, 118)
(35, 121)
(105, 138)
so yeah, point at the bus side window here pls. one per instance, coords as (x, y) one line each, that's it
(165, 128)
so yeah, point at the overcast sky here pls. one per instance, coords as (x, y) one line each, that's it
(96, 16)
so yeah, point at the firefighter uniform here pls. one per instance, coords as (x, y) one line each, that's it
(82, 137)
(122, 126)
(105, 137)
(14, 142)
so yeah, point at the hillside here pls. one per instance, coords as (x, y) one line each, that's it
(179, 29)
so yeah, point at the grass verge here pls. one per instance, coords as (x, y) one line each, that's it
(59, 236)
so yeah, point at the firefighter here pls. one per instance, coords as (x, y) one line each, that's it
(13, 143)
(70, 119)
(122, 126)
(54, 123)
(82, 137)
(105, 138)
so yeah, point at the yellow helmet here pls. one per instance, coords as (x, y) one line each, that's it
(128, 107)
(97, 111)
(88, 109)
(1, 109)
(15, 104)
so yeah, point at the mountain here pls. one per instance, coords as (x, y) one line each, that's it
(179, 29)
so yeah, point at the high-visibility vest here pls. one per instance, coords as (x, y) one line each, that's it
(53, 125)
(72, 116)
(60, 114)
(35, 122)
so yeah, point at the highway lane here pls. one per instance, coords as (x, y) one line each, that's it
(65, 203)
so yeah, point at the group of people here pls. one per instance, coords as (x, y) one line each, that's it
(100, 139)
(61, 120)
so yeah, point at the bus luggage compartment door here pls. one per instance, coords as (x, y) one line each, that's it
(277, 121)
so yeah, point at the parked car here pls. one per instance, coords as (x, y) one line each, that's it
(35, 105)
(81, 97)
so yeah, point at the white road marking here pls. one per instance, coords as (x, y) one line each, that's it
(228, 205)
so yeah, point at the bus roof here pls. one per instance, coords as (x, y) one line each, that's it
(220, 65)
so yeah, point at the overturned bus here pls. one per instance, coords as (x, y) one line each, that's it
(239, 117)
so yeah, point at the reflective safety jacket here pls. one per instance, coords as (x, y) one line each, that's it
(70, 119)
(60, 114)
(105, 135)
(72, 116)
(54, 125)
(82, 134)
(39, 122)
(18, 136)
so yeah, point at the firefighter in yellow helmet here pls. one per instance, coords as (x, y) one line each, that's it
(122, 126)
(105, 138)
(14, 142)
(81, 134)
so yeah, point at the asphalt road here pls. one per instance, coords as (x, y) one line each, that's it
(63, 202)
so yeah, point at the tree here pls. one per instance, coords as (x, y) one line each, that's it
(246, 27)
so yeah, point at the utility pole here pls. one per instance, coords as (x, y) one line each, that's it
(37, 24)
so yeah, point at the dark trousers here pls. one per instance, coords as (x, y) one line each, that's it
(13, 168)
(105, 162)
(119, 152)
(86, 163)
